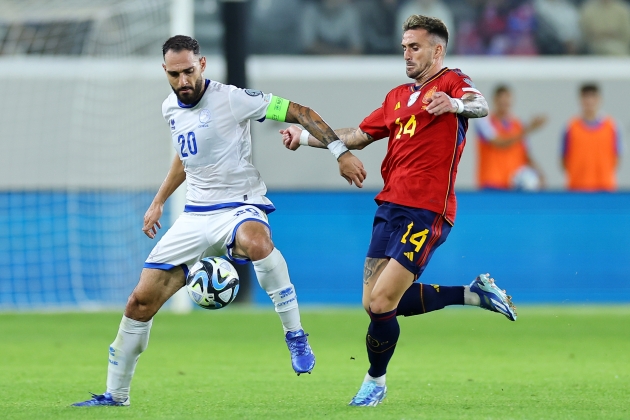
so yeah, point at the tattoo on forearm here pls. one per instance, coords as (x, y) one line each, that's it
(372, 266)
(311, 120)
(474, 107)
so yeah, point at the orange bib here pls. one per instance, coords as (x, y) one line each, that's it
(590, 155)
(497, 165)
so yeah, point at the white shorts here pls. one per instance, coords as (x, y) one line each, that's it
(197, 235)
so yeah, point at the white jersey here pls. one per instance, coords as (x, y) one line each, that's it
(212, 138)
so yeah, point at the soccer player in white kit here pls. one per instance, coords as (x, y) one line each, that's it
(226, 208)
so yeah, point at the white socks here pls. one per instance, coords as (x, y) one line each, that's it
(380, 381)
(273, 275)
(132, 339)
(471, 298)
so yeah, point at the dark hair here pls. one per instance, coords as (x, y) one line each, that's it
(587, 88)
(501, 89)
(433, 26)
(179, 43)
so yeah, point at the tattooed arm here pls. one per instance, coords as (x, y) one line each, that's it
(311, 120)
(350, 167)
(475, 106)
(353, 138)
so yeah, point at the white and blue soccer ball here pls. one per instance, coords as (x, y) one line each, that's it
(212, 283)
(526, 179)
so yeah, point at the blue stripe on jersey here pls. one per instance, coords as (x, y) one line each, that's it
(189, 208)
(158, 266)
(194, 104)
(462, 126)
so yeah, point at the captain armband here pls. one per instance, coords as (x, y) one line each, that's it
(277, 109)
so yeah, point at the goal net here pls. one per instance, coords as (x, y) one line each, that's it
(84, 148)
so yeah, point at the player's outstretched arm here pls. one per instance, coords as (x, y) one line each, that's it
(354, 138)
(174, 179)
(350, 167)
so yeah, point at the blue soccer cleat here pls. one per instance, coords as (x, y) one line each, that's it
(302, 357)
(370, 395)
(492, 298)
(101, 400)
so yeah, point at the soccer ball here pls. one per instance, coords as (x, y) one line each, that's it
(212, 283)
(526, 179)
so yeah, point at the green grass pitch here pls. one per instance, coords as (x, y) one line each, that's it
(459, 363)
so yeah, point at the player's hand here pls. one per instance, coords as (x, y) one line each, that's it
(537, 122)
(152, 220)
(440, 103)
(351, 168)
(291, 137)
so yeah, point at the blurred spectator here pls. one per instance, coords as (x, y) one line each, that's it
(331, 27)
(275, 28)
(558, 27)
(606, 27)
(377, 24)
(432, 8)
(469, 40)
(508, 27)
(591, 146)
(504, 161)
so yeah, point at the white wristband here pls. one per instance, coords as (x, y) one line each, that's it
(304, 138)
(337, 148)
(460, 105)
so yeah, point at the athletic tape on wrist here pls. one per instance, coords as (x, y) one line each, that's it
(337, 148)
(304, 138)
(460, 106)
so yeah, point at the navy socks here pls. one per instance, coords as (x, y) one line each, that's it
(381, 341)
(422, 298)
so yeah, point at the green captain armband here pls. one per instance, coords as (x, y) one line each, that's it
(277, 109)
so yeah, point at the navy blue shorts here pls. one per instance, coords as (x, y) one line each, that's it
(408, 235)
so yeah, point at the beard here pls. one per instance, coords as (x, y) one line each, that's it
(190, 96)
(419, 70)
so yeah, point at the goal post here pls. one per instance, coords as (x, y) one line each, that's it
(182, 23)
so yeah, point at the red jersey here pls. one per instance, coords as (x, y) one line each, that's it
(423, 152)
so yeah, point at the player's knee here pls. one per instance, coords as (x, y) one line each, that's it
(256, 247)
(140, 309)
(380, 303)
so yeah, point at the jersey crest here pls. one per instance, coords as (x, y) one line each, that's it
(427, 96)
(204, 116)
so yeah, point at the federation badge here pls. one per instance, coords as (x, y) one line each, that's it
(252, 92)
(413, 98)
(427, 96)
(204, 116)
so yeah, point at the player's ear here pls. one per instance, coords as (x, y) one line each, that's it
(202, 63)
(439, 50)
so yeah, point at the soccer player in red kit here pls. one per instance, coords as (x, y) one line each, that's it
(426, 123)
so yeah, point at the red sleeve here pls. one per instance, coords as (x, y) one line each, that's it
(460, 84)
(374, 125)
